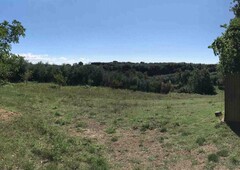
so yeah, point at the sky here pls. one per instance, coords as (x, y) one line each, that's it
(70, 31)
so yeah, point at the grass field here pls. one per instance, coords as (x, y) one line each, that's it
(43, 126)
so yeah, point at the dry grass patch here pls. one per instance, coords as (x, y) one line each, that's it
(130, 150)
(7, 115)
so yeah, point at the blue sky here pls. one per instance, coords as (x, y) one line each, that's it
(68, 31)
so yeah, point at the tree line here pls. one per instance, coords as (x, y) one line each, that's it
(147, 77)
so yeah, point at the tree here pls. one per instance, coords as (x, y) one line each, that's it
(10, 33)
(227, 46)
(60, 79)
(11, 66)
(200, 82)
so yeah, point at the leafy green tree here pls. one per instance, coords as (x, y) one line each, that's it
(11, 66)
(227, 46)
(10, 33)
(200, 82)
(26, 76)
(60, 79)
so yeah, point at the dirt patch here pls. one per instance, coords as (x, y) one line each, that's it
(137, 150)
(198, 158)
(132, 149)
(94, 130)
(184, 164)
(219, 167)
(7, 115)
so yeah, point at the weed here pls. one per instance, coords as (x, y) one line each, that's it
(168, 106)
(201, 151)
(213, 158)
(185, 133)
(200, 141)
(114, 139)
(110, 130)
(165, 122)
(135, 161)
(222, 153)
(161, 139)
(57, 114)
(55, 107)
(218, 125)
(235, 160)
(61, 122)
(97, 163)
(81, 125)
(134, 127)
(163, 130)
(176, 124)
(145, 127)
(152, 158)
(115, 122)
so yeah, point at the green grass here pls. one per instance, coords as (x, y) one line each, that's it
(40, 138)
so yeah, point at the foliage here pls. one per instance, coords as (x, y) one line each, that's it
(60, 79)
(200, 141)
(27, 75)
(213, 158)
(152, 77)
(157, 77)
(200, 82)
(10, 33)
(223, 153)
(227, 45)
(12, 67)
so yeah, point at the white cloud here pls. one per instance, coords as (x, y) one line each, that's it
(45, 58)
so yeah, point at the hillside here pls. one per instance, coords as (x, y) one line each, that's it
(49, 127)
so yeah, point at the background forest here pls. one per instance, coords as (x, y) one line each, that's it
(152, 77)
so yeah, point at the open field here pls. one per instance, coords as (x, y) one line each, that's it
(43, 126)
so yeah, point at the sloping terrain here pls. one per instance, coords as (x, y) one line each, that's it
(101, 128)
